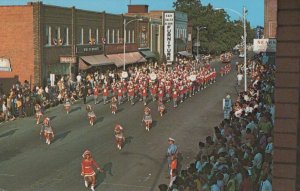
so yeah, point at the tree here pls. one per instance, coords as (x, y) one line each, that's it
(222, 34)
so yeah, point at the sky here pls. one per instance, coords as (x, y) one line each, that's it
(255, 7)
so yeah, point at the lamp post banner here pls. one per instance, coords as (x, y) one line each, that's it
(169, 19)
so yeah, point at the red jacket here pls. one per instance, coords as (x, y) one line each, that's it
(174, 94)
(131, 92)
(120, 93)
(96, 91)
(105, 92)
(86, 167)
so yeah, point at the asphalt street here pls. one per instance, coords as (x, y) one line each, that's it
(28, 164)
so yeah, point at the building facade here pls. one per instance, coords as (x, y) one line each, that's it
(61, 41)
(286, 170)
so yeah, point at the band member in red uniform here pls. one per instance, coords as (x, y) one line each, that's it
(174, 97)
(105, 94)
(161, 108)
(38, 113)
(47, 131)
(144, 95)
(153, 92)
(120, 94)
(131, 94)
(120, 139)
(87, 170)
(124, 89)
(91, 114)
(160, 95)
(96, 94)
(136, 90)
(168, 92)
(113, 105)
(181, 92)
(214, 75)
(147, 119)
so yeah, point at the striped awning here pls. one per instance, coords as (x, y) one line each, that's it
(130, 58)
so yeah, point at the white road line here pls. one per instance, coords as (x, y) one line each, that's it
(125, 185)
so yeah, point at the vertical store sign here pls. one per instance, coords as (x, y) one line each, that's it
(169, 36)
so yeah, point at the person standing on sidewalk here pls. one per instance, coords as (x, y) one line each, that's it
(239, 78)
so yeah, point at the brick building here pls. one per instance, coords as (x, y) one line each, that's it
(61, 40)
(17, 45)
(270, 29)
(286, 175)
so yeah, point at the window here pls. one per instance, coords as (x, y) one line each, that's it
(97, 36)
(58, 32)
(90, 34)
(107, 36)
(132, 36)
(67, 36)
(56, 40)
(118, 36)
(48, 35)
(128, 36)
(81, 39)
(113, 36)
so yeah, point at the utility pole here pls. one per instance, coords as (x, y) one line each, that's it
(245, 49)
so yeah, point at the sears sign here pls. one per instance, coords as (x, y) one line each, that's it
(264, 45)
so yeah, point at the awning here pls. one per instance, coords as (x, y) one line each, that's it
(130, 58)
(5, 65)
(83, 65)
(147, 54)
(185, 53)
(97, 60)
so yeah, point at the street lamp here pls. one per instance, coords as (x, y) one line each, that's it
(245, 39)
(124, 39)
(198, 43)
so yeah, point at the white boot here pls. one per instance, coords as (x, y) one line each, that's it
(92, 188)
(86, 184)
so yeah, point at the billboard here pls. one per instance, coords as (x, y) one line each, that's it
(169, 19)
(264, 45)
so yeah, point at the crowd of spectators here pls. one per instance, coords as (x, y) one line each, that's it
(21, 98)
(238, 157)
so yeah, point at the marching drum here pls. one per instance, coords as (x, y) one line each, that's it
(153, 76)
(193, 77)
(124, 74)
